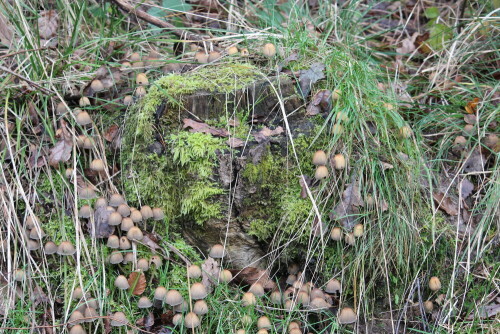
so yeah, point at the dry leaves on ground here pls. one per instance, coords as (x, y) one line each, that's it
(348, 208)
(265, 133)
(61, 152)
(137, 282)
(446, 203)
(321, 102)
(252, 275)
(204, 128)
(310, 76)
(48, 23)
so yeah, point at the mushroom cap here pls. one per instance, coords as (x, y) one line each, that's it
(50, 248)
(321, 173)
(61, 108)
(121, 282)
(160, 293)
(144, 302)
(77, 293)
(200, 307)
(257, 289)
(333, 286)
(347, 316)
(303, 298)
(262, 331)
(339, 161)
(19, 275)
(198, 291)
(158, 214)
(135, 233)
(140, 91)
(119, 319)
(295, 331)
(37, 234)
(83, 118)
(269, 50)
(349, 239)
(32, 245)
(293, 325)
(136, 216)
(97, 85)
(358, 230)
(232, 50)
(123, 210)
(141, 79)
(217, 251)
(85, 211)
(434, 283)
(225, 276)
(116, 199)
(31, 221)
(128, 100)
(319, 303)
(115, 257)
(66, 248)
(319, 158)
(88, 143)
(182, 307)
(173, 297)
(264, 323)
(191, 320)
(336, 234)
(115, 218)
(194, 271)
(135, 56)
(113, 241)
(146, 212)
(276, 297)
(143, 264)
(86, 193)
(240, 331)
(80, 141)
(244, 52)
(428, 306)
(337, 129)
(128, 257)
(77, 329)
(90, 314)
(101, 202)
(97, 165)
(213, 56)
(76, 317)
(126, 224)
(289, 305)
(317, 293)
(177, 319)
(248, 299)
(201, 57)
(124, 243)
(156, 260)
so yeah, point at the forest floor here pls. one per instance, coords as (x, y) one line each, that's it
(362, 198)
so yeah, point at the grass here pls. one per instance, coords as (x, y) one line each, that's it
(407, 239)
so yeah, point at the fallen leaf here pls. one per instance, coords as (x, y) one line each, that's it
(303, 181)
(137, 282)
(466, 188)
(475, 162)
(148, 241)
(470, 119)
(234, 142)
(99, 227)
(233, 122)
(471, 106)
(348, 208)
(321, 101)
(407, 45)
(386, 165)
(265, 133)
(48, 23)
(61, 152)
(252, 275)
(5, 31)
(204, 128)
(210, 273)
(147, 322)
(310, 76)
(446, 203)
(111, 133)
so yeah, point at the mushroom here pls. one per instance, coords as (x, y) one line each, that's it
(83, 118)
(121, 282)
(240, 331)
(128, 257)
(194, 271)
(115, 257)
(159, 296)
(358, 230)
(97, 165)
(136, 216)
(434, 283)
(347, 316)
(201, 57)
(135, 234)
(333, 286)
(293, 325)
(317, 293)
(177, 319)
(50, 248)
(276, 297)
(257, 289)
(291, 279)
(88, 143)
(77, 329)
(32, 245)
(321, 172)
(303, 298)
(86, 193)
(76, 317)
(491, 141)
(200, 307)
(341, 115)
(428, 306)
(114, 218)
(101, 202)
(213, 56)
(295, 331)
(140, 91)
(143, 264)
(405, 132)
(19, 275)
(146, 212)
(217, 251)
(225, 276)
(191, 320)
(90, 314)
(198, 291)
(337, 129)
(135, 57)
(264, 323)
(262, 331)
(244, 52)
(319, 158)
(61, 108)
(370, 201)
(182, 307)
(156, 260)
(128, 100)
(77, 293)
(116, 199)
(124, 243)
(173, 298)
(232, 50)
(336, 234)
(85, 211)
(349, 239)
(126, 224)
(293, 269)
(141, 79)
(37, 233)
(289, 305)
(144, 302)
(319, 304)
(269, 50)
(31, 221)
(248, 299)
(119, 319)
(97, 85)
(113, 241)
(84, 101)
(66, 248)
(339, 161)
(158, 214)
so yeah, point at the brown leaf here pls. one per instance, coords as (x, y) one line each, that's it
(446, 203)
(204, 128)
(5, 31)
(147, 322)
(252, 275)
(471, 106)
(137, 282)
(233, 122)
(60, 152)
(303, 181)
(148, 241)
(309, 77)
(263, 134)
(99, 227)
(234, 142)
(466, 188)
(475, 162)
(348, 208)
(47, 24)
(470, 119)
(210, 273)
(111, 133)
(407, 45)
(321, 101)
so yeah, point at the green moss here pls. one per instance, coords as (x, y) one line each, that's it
(60, 229)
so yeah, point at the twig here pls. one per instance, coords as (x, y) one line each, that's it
(32, 83)
(189, 36)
